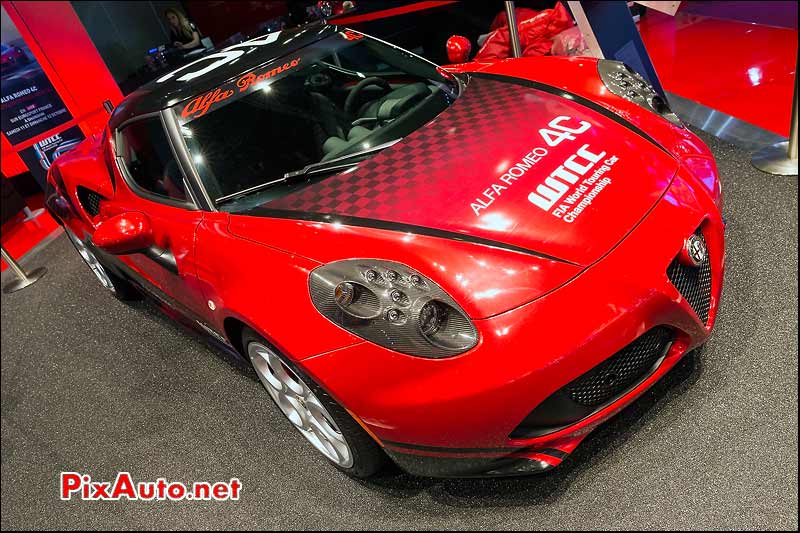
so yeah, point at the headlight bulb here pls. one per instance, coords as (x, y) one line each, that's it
(431, 317)
(344, 293)
(356, 300)
(395, 316)
(398, 297)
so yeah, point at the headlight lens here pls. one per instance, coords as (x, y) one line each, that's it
(431, 317)
(623, 81)
(356, 300)
(392, 305)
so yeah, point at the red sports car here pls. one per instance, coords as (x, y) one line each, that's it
(465, 269)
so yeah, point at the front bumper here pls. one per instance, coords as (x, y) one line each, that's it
(456, 417)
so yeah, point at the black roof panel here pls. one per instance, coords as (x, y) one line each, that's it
(155, 96)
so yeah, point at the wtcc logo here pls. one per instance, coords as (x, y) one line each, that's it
(82, 487)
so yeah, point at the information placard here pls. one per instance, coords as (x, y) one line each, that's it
(29, 104)
(41, 155)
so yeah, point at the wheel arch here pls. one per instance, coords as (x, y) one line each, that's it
(233, 328)
(233, 325)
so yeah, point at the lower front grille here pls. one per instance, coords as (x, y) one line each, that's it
(621, 370)
(598, 387)
(694, 283)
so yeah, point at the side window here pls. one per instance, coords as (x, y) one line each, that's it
(146, 154)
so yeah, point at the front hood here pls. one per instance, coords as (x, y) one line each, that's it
(506, 163)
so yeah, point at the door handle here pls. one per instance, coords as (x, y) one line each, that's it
(163, 257)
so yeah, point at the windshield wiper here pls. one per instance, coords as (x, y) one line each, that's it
(340, 162)
(322, 167)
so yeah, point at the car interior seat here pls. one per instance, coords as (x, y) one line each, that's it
(371, 114)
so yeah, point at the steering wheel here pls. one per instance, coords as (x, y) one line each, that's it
(318, 82)
(354, 95)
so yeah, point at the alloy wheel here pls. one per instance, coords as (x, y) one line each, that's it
(91, 260)
(300, 405)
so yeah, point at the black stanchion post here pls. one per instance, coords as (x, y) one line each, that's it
(23, 279)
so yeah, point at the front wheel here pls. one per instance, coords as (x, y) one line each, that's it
(118, 286)
(317, 416)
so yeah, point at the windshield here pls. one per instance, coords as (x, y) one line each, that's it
(334, 100)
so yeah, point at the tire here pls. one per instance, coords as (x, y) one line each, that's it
(331, 430)
(120, 288)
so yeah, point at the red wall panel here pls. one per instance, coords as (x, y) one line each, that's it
(12, 164)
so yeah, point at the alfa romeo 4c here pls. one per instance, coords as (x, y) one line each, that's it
(464, 269)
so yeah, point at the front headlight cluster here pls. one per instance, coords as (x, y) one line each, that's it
(392, 305)
(627, 83)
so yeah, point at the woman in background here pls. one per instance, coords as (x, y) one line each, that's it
(184, 35)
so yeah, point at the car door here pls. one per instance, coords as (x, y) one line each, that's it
(157, 187)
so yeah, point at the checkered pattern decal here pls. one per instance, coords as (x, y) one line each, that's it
(435, 178)
(396, 184)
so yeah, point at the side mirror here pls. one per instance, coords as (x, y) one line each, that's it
(126, 233)
(458, 49)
